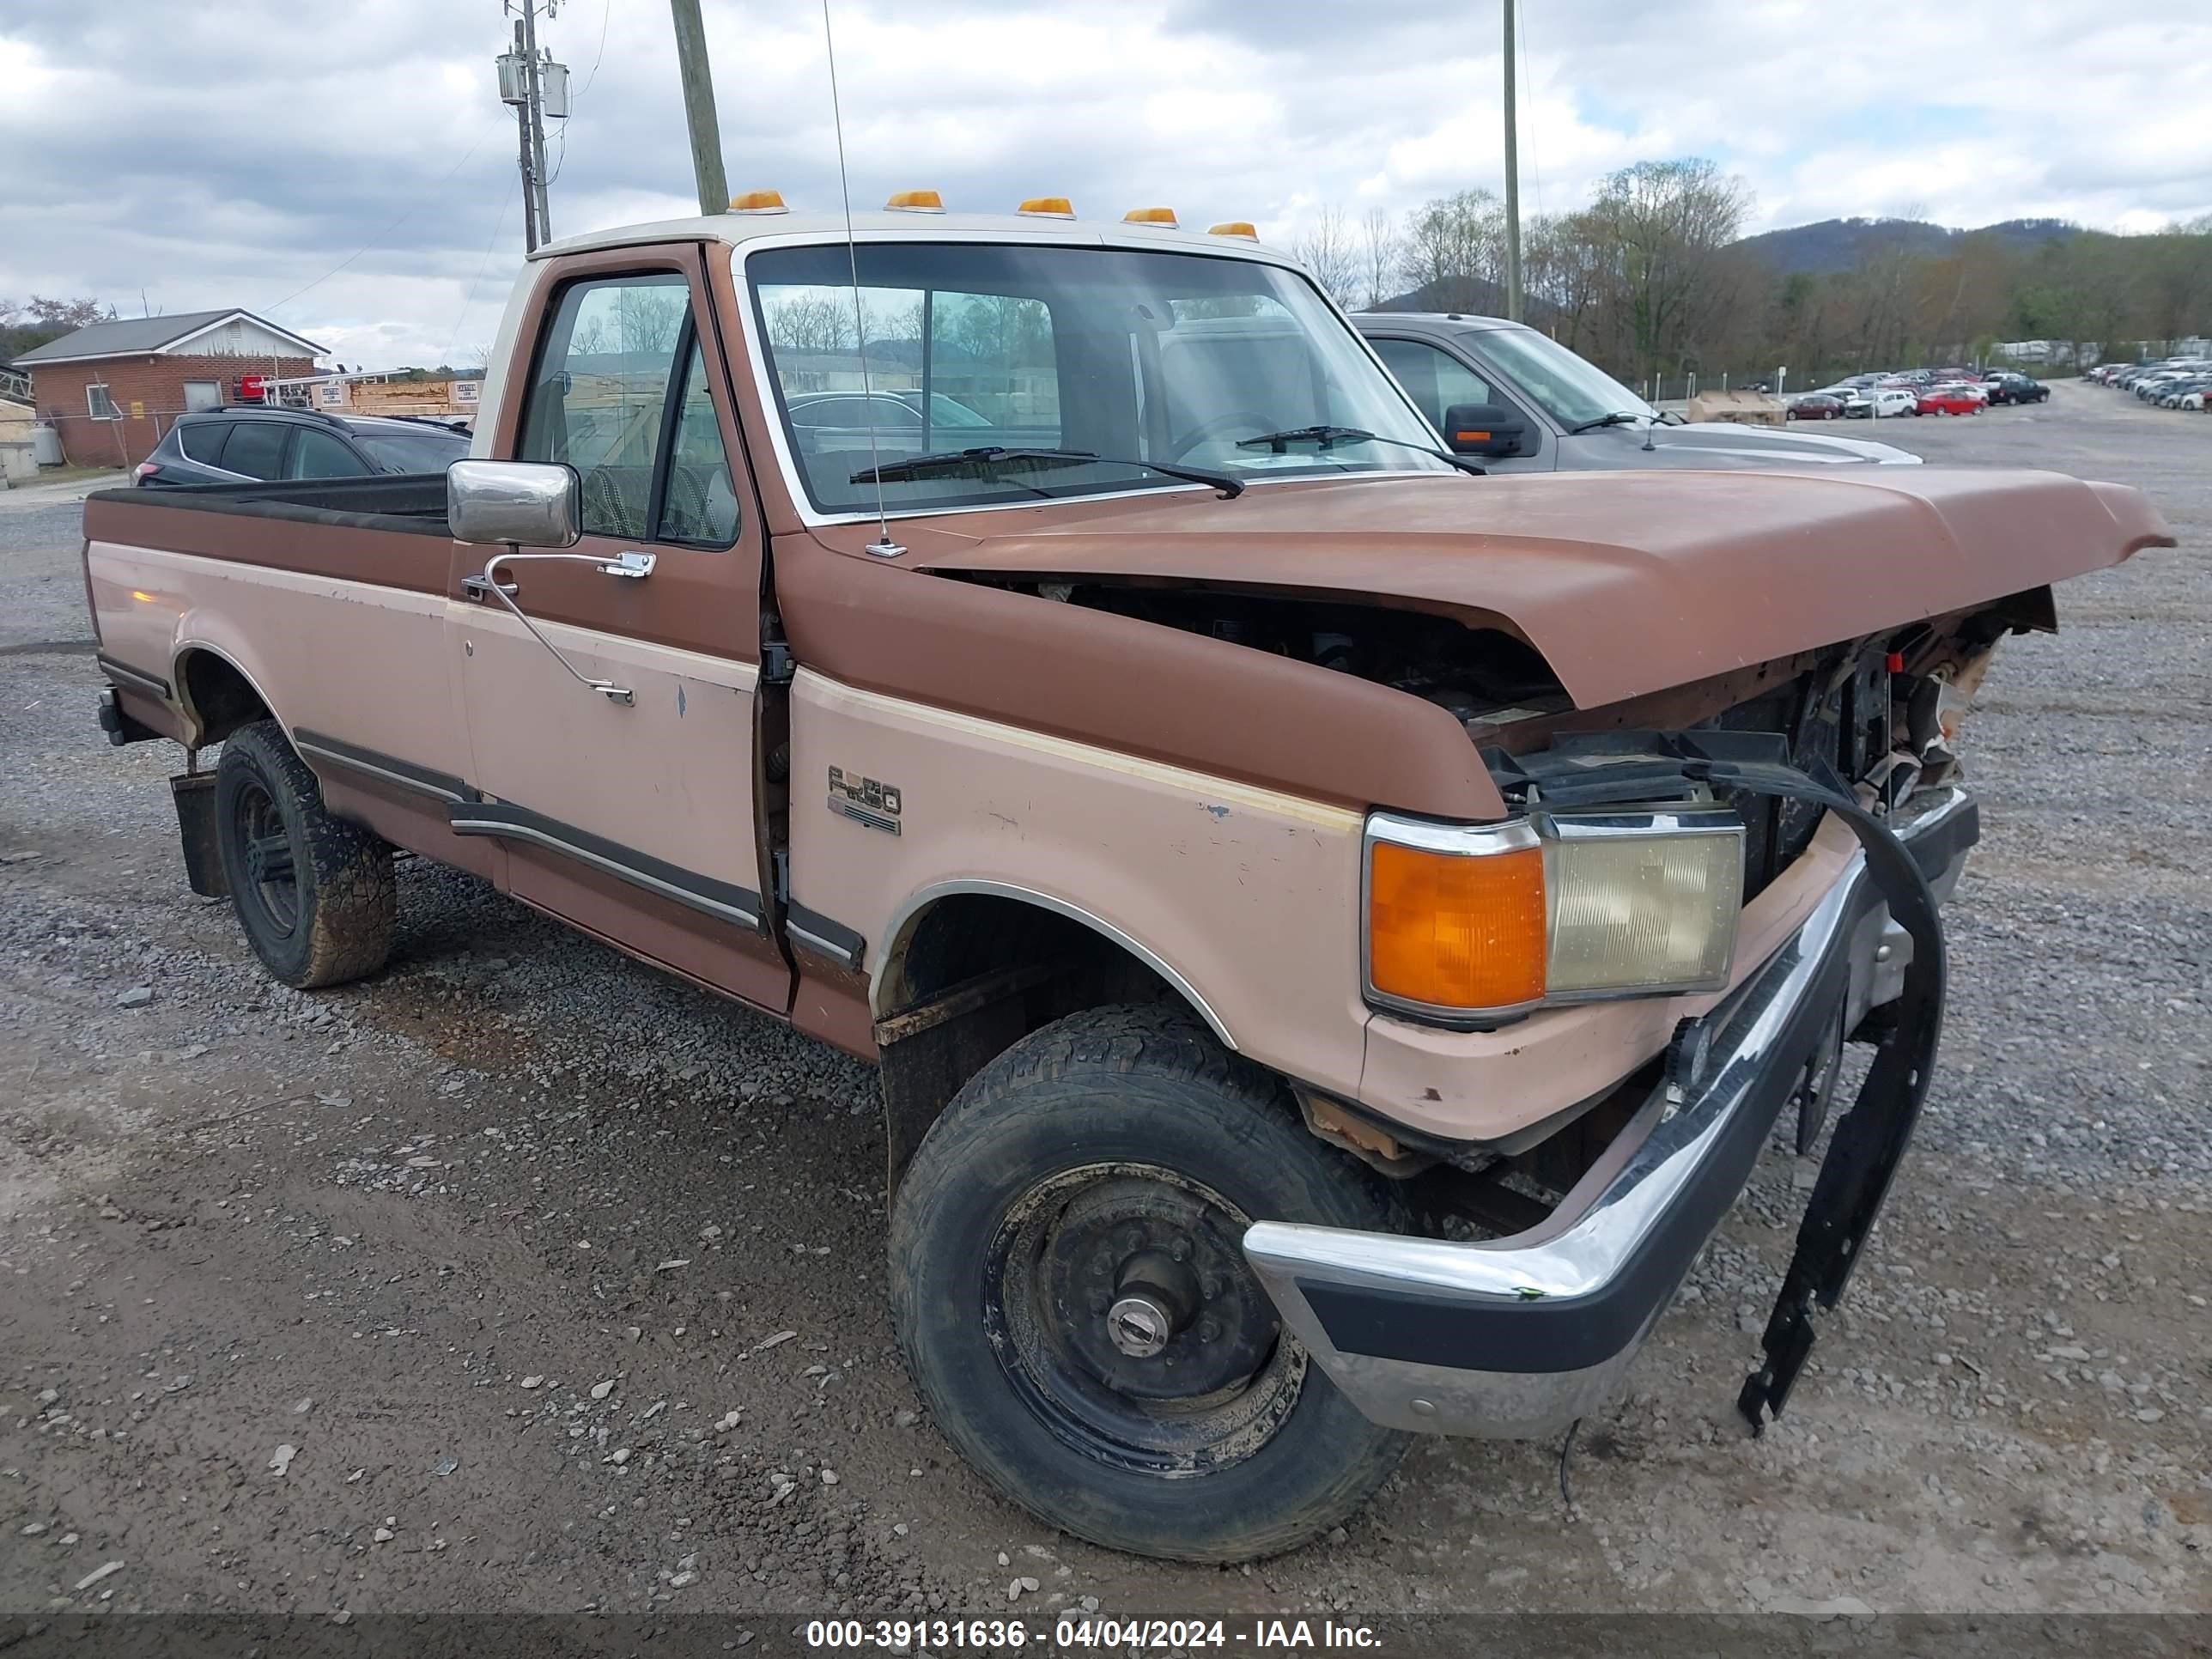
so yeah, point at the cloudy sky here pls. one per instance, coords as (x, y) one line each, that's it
(343, 166)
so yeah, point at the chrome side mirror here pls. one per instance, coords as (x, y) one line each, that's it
(524, 503)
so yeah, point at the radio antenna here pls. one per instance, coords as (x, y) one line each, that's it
(883, 547)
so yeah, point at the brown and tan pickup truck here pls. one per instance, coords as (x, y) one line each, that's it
(1336, 931)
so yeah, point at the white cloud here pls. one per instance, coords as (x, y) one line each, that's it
(259, 145)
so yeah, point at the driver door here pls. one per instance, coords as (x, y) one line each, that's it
(629, 809)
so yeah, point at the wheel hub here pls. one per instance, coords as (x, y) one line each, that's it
(1152, 1295)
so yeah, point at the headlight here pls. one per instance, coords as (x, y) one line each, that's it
(1466, 924)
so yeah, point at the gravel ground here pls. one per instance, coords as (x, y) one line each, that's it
(522, 1277)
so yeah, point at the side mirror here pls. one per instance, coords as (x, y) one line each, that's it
(526, 503)
(1483, 429)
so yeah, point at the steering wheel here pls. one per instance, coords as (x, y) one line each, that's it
(1214, 428)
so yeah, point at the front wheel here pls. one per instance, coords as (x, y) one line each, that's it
(1069, 1286)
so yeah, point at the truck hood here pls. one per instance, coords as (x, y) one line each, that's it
(1728, 445)
(1626, 582)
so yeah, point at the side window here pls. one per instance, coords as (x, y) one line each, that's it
(1434, 377)
(256, 448)
(599, 400)
(699, 505)
(319, 455)
(202, 440)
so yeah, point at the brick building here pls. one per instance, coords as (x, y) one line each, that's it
(113, 388)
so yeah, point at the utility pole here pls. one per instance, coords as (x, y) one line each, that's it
(1512, 183)
(537, 87)
(698, 76)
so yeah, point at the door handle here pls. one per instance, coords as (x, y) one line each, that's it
(635, 566)
(476, 587)
(488, 582)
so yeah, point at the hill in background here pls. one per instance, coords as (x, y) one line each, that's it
(1835, 244)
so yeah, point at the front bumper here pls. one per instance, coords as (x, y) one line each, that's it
(1517, 1337)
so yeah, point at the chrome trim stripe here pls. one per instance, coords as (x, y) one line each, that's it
(829, 948)
(825, 935)
(514, 823)
(919, 902)
(133, 679)
(401, 774)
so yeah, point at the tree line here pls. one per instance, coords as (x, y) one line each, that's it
(1653, 280)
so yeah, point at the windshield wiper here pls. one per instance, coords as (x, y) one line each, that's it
(1327, 437)
(1619, 417)
(951, 461)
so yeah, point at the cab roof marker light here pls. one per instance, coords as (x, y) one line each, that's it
(914, 201)
(1048, 207)
(758, 201)
(1243, 227)
(1149, 216)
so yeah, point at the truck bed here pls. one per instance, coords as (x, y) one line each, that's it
(407, 503)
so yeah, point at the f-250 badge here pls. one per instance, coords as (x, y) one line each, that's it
(865, 800)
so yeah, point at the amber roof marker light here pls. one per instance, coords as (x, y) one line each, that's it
(914, 201)
(1048, 207)
(1149, 216)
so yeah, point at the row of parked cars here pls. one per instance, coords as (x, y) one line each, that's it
(2174, 383)
(1915, 391)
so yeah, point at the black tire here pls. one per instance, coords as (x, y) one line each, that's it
(1061, 1126)
(313, 893)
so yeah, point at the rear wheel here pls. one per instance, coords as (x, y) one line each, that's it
(313, 893)
(1070, 1288)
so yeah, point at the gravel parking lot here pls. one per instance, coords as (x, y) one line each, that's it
(522, 1277)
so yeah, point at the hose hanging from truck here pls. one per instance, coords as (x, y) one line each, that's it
(1614, 768)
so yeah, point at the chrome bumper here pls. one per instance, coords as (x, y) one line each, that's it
(1517, 1337)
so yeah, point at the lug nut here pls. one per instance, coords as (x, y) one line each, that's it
(1209, 1287)
(1100, 1301)
(1208, 1329)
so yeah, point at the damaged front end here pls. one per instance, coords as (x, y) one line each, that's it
(1519, 1335)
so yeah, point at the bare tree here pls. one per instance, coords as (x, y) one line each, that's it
(1327, 250)
(811, 323)
(1663, 225)
(1452, 249)
(1379, 256)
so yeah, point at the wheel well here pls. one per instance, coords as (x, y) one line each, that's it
(220, 697)
(972, 974)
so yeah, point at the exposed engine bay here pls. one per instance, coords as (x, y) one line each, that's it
(1883, 710)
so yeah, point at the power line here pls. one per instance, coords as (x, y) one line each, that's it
(404, 216)
(577, 97)
(1522, 32)
(498, 222)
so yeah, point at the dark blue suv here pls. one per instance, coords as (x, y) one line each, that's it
(231, 446)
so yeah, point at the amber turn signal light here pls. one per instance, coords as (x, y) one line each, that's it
(1452, 930)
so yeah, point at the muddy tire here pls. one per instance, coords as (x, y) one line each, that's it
(1069, 1287)
(313, 893)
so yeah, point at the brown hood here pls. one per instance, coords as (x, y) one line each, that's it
(1626, 582)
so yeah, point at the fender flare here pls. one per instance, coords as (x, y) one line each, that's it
(918, 902)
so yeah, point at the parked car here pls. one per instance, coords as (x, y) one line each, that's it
(1208, 825)
(2011, 388)
(1948, 400)
(1881, 403)
(1815, 406)
(1545, 410)
(235, 446)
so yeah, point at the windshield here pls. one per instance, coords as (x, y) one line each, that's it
(1135, 357)
(414, 451)
(1570, 389)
